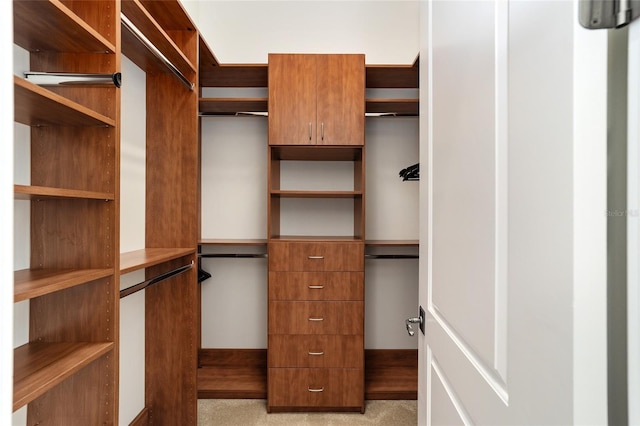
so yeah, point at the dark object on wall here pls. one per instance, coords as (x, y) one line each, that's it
(203, 275)
(411, 173)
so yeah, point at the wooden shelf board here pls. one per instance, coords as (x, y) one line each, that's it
(214, 74)
(207, 58)
(232, 242)
(242, 373)
(139, 259)
(316, 153)
(392, 243)
(330, 238)
(138, 53)
(315, 194)
(49, 25)
(26, 192)
(248, 382)
(392, 76)
(392, 106)
(232, 105)
(232, 75)
(391, 374)
(30, 283)
(39, 366)
(37, 106)
(170, 14)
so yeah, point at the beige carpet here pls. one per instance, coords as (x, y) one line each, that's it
(247, 412)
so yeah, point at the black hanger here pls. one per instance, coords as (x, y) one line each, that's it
(411, 172)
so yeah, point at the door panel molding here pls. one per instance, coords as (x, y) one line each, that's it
(490, 375)
(438, 383)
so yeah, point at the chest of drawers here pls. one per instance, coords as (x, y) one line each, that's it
(316, 326)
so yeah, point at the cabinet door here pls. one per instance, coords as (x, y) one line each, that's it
(292, 99)
(341, 100)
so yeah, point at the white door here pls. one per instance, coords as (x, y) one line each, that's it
(513, 223)
(633, 225)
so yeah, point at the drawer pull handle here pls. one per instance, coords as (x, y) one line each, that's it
(316, 319)
(316, 353)
(315, 257)
(316, 286)
(316, 390)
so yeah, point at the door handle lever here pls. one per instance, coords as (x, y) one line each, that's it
(409, 321)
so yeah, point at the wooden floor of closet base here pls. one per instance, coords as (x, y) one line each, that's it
(242, 374)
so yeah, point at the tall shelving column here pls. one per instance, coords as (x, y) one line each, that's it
(171, 225)
(316, 272)
(68, 371)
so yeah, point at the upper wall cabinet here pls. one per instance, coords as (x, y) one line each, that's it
(316, 99)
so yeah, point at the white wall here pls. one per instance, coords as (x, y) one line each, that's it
(132, 237)
(6, 204)
(246, 31)
(22, 218)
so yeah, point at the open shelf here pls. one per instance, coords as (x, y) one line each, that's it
(37, 106)
(136, 12)
(321, 238)
(232, 106)
(214, 74)
(26, 192)
(393, 106)
(232, 242)
(391, 374)
(49, 25)
(30, 283)
(140, 259)
(39, 366)
(392, 243)
(315, 194)
(316, 153)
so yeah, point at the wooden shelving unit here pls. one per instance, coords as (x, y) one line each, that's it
(29, 283)
(147, 23)
(145, 258)
(40, 367)
(52, 26)
(214, 74)
(25, 192)
(171, 200)
(37, 106)
(67, 372)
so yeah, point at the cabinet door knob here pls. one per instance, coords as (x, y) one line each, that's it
(316, 286)
(315, 257)
(310, 130)
(316, 389)
(315, 319)
(322, 131)
(316, 353)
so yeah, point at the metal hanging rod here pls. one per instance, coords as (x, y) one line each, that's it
(391, 256)
(140, 36)
(73, 79)
(147, 283)
(235, 255)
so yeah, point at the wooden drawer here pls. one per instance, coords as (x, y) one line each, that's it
(316, 317)
(315, 387)
(316, 351)
(316, 256)
(316, 285)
